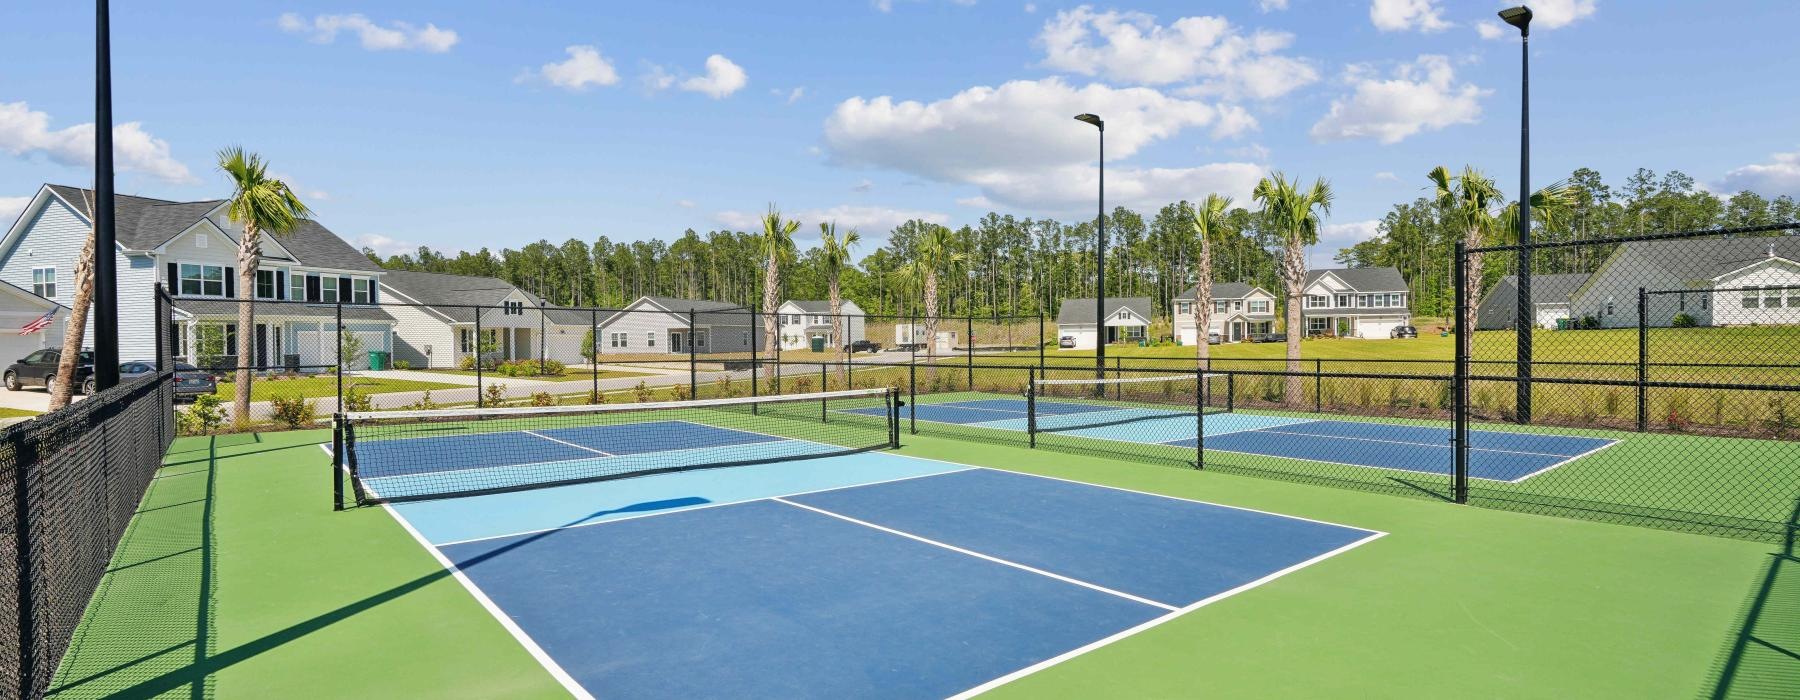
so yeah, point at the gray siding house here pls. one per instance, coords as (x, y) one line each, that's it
(1239, 311)
(1733, 281)
(802, 319)
(1549, 295)
(191, 247)
(1355, 302)
(660, 325)
(436, 313)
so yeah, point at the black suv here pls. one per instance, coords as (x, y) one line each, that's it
(1403, 332)
(39, 369)
(856, 346)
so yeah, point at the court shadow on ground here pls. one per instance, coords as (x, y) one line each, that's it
(202, 667)
(152, 616)
(1762, 657)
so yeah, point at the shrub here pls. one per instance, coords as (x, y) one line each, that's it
(423, 404)
(467, 363)
(1589, 322)
(1679, 417)
(803, 385)
(596, 397)
(357, 400)
(683, 392)
(1682, 320)
(1613, 400)
(294, 411)
(543, 398)
(725, 388)
(496, 393)
(203, 417)
(402, 364)
(642, 392)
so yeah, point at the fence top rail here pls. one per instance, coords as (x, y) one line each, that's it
(1708, 290)
(1703, 233)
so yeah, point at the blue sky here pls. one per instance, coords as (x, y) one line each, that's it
(469, 124)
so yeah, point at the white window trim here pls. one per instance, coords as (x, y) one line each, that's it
(49, 281)
(332, 292)
(181, 276)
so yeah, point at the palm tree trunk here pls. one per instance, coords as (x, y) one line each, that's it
(1472, 282)
(1294, 269)
(76, 327)
(1203, 306)
(771, 284)
(931, 321)
(837, 326)
(249, 252)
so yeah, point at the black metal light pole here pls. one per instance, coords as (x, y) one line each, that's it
(1525, 313)
(1099, 255)
(106, 288)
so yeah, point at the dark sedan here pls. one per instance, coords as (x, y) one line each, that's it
(191, 381)
(1404, 332)
(39, 369)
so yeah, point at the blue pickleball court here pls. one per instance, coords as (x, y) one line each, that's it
(1493, 455)
(859, 575)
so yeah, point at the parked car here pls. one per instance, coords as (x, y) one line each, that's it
(1214, 339)
(857, 346)
(191, 381)
(1403, 332)
(1067, 341)
(39, 369)
(1268, 337)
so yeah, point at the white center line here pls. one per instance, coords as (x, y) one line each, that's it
(571, 444)
(979, 555)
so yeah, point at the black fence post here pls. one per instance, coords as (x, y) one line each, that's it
(1031, 405)
(824, 385)
(478, 359)
(341, 364)
(1459, 486)
(1041, 340)
(693, 359)
(594, 356)
(912, 396)
(969, 352)
(25, 461)
(1643, 360)
(543, 362)
(1118, 373)
(1318, 386)
(337, 457)
(1200, 418)
(756, 341)
(1230, 391)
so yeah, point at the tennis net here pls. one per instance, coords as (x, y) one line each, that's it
(1152, 403)
(414, 455)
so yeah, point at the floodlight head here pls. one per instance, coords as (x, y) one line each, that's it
(1519, 17)
(1091, 119)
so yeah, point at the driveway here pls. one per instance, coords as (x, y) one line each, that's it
(28, 399)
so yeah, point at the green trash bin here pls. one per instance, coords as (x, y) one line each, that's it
(1562, 324)
(378, 359)
(818, 343)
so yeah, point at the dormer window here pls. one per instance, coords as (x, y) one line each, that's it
(359, 290)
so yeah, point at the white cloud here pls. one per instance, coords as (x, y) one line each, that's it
(25, 133)
(1255, 152)
(10, 208)
(656, 78)
(722, 78)
(1556, 14)
(1422, 95)
(867, 219)
(1781, 175)
(1335, 237)
(789, 96)
(1018, 143)
(1030, 8)
(1407, 15)
(1490, 30)
(863, 186)
(399, 36)
(385, 246)
(1131, 47)
(686, 203)
(1271, 5)
(1386, 176)
(976, 202)
(584, 68)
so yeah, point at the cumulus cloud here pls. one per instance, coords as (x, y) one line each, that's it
(656, 78)
(1490, 30)
(1407, 15)
(1386, 176)
(1271, 5)
(976, 202)
(1545, 15)
(25, 133)
(871, 220)
(385, 246)
(584, 68)
(1422, 95)
(1131, 47)
(722, 78)
(1017, 143)
(1335, 237)
(686, 203)
(10, 208)
(398, 36)
(789, 96)
(1779, 176)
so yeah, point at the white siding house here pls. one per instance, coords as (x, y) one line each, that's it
(1355, 302)
(437, 326)
(1239, 311)
(660, 325)
(802, 320)
(19, 307)
(1707, 279)
(1127, 320)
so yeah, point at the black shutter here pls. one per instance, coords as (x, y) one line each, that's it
(174, 278)
(230, 283)
(374, 288)
(281, 284)
(344, 290)
(312, 287)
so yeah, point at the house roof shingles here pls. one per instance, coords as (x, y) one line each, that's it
(1363, 279)
(1221, 290)
(1081, 311)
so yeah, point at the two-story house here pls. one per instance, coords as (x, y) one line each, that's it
(801, 320)
(191, 247)
(1355, 302)
(1239, 311)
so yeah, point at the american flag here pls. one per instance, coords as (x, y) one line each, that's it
(41, 323)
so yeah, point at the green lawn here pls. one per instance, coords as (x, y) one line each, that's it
(18, 413)
(237, 580)
(325, 386)
(573, 375)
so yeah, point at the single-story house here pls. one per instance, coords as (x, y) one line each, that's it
(1355, 302)
(1126, 319)
(1549, 299)
(803, 320)
(1733, 281)
(1239, 311)
(436, 319)
(20, 308)
(660, 325)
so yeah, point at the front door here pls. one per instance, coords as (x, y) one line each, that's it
(677, 341)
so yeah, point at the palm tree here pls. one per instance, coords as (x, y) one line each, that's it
(835, 256)
(63, 391)
(777, 248)
(1208, 224)
(1295, 215)
(1471, 200)
(260, 204)
(936, 253)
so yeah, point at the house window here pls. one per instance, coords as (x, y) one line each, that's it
(1259, 307)
(1681, 302)
(1221, 306)
(328, 289)
(1318, 325)
(265, 284)
(1125, 314)
(1362, 300)
(1609, 307)
(1317, 301)
(1343, 300)
(1750, 297)
(1772, 298)
(1705, 302)
(1397, 300)
(296, 286)
(1237, 306)
(43, 282)
(615, 340)
(1182, 307)
(359, 291)
(202, 280)
(650, 338)
(1793, 298)
(1378, 301)
(213, 342)
(746, 339)
(700, 338)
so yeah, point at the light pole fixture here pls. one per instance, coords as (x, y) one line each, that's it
(106, 287)
(1524, 315)
(1099, 256)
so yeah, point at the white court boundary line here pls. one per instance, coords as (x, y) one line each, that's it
(979, 555)
(602, 453)
(518, 633)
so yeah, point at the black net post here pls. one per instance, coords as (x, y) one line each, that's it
(756, 341)
(1643, 360)
(594, 357)
(1118, 373)
(1230, 391)
(824, 385)
(912, 395)
(477, 349)
(341, 364)
(337, 456)
(543, 365)
(1031, 405)
(693, 359)
(1460, 385)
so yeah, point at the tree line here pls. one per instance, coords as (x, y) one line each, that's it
(1006, 264)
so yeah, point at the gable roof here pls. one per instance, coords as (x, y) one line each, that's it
(30, 297)
(1223, 290)
(1362, 279)
(723, 313)
(818, 306)
(450, 296)
(1078, 311)
(1498, 308)
(1696, 259)
(143, 223)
